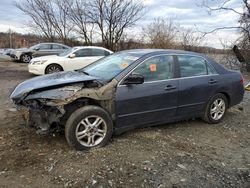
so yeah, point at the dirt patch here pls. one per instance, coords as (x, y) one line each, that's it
(184, 154)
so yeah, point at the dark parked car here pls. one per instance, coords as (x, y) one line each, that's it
(42, 49)
(127, 90)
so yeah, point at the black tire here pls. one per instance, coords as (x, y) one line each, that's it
(25, 58)
(208, 117)
(52, 68)
(74, 122)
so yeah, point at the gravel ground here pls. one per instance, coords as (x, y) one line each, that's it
(184, 154)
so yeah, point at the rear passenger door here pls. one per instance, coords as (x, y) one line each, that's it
(196, 84)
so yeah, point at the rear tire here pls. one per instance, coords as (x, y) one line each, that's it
(88, 127)
(216, 109)
(53, 68)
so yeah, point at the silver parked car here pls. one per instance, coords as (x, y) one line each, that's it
(41, 49)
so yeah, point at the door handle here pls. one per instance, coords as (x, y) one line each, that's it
(170, 87)
(212, 81)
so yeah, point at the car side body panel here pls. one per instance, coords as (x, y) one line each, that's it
(132, 106)
(193, 95)
(146, 103)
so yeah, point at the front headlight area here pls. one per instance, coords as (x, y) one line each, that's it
(38, 62)
(39, 114)
(46, 110)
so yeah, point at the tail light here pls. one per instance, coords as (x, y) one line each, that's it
(242, 80)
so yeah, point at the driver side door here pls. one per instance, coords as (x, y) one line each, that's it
(154, 101)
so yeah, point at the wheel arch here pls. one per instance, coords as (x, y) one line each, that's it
(80, 102)
(227, 96)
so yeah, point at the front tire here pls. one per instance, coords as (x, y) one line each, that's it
(25, 58)
(53, 68)
(88, 127)
(216, 109)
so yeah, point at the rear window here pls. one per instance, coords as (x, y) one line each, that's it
(83, 53)
(44, 46)
(56, 47)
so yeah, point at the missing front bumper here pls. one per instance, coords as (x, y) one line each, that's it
(42, 119)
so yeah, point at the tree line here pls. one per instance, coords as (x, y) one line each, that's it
(104, 21)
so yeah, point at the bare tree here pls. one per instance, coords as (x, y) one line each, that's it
(38, 11)
(190, 39)
(161, 33)
(49, 17)
(82, 22)
(243, 25)
(59, 15)
(112, 17)
(244, 17)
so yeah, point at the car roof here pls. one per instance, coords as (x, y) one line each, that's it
(95, 47)
(52, 43)
(142, 52)
(89, 47)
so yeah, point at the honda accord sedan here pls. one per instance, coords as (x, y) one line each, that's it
(128, 90)
(72, 59)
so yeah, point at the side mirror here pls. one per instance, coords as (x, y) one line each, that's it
(134, 79)
(36, 48)
(72, 56)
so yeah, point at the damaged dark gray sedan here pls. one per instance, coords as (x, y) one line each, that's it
(127, 90)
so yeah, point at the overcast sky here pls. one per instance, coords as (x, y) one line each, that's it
(185, 12)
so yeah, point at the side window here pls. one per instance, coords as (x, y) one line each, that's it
(157, 68)
(45, 47)
(210, 70)
(98, 52)
(106, 53)
(56, 47)
(83, 53)
(192, 66)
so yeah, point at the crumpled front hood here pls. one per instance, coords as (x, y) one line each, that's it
(56, 79)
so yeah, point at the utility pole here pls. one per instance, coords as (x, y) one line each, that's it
(10, 38)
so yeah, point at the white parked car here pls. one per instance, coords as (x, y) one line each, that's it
(72, 59)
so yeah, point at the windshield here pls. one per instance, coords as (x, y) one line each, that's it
(33, 47)
(67, 52)
(108, 67)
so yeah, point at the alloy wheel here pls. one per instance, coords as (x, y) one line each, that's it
(217, 109)
(53, 69)
(26, 58)
(91, 131)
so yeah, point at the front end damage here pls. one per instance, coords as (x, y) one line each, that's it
(48, 109)
(37, 114)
